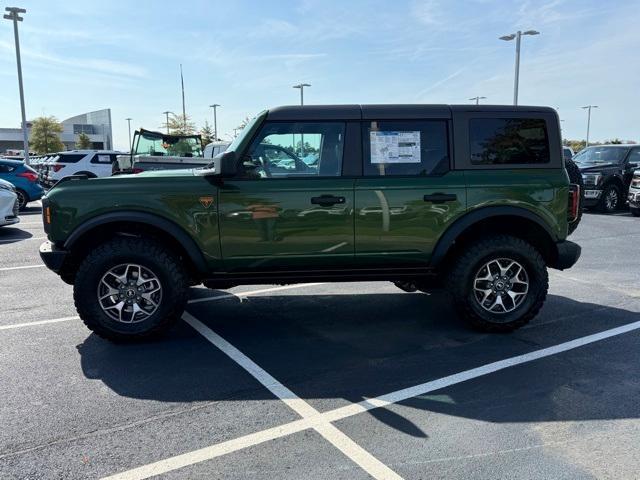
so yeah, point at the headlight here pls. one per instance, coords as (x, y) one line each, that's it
(591, 178)
(7, 186)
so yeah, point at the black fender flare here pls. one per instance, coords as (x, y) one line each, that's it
(469, 219)
(154, 220)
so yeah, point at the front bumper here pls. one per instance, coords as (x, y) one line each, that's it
(568, 255)
(52, 256)
(634, 198)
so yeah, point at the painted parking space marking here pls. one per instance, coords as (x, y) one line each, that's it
(238, 295)
(230, 446)
(23, 267)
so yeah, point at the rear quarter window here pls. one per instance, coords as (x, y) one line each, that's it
(508, 141)
(70, 158)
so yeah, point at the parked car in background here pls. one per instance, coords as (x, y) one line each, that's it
(634, 194)
(214, 148)
(567, 153)
(607, 171)
(8, 204)
(24, 179)
(92, 163)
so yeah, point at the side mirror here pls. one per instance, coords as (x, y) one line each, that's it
(223, 164)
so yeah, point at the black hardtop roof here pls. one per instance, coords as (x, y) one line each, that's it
(382, 111)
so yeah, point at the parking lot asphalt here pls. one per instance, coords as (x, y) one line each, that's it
(326, 381)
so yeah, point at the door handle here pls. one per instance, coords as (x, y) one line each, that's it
(440, 197)
(327, 200)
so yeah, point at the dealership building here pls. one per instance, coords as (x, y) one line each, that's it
(97, 125)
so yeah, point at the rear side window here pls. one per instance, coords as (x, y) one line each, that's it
(508, 141)
(4, 168)
(70, 157)
(103, 158)
(405, 148)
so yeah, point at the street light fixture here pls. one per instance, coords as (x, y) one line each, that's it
(588, 108)
(14, 16)
(129, 122)
(517, 37)
(167, 114)
(301, 87)
(477, 99)
(215, 121)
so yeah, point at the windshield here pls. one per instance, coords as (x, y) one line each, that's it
(601, 155)
(158, 145)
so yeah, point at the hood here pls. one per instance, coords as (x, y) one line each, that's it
(598, 167)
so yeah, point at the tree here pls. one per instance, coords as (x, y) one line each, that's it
(179, 125)
(206, 132)
(45, 135)
(84, 142)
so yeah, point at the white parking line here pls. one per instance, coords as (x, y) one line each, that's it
(194, 300)
(229, 446)
(23, 267)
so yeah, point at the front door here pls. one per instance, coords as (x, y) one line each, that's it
(408, 195)
(288, 207)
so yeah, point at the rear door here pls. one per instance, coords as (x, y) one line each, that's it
(101, 164)
(289, 207)
(408, 194)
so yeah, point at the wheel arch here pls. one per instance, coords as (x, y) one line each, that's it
(516, 221)
(97, 229)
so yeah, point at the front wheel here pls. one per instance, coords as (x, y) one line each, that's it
(611, 199)
(499, 284)
(130, 289)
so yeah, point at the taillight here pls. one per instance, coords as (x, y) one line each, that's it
(137, 170)
(57, 167)
(31, 176)
(574, 202)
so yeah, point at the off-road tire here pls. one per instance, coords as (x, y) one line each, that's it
(602, 204)
(575, 177)
(143, 251)
(461, 276)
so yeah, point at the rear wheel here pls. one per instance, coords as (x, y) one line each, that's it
(130, 289)
(499, 284)
(611, 199)
(23, 199)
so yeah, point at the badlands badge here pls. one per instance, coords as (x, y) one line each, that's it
(206, 201)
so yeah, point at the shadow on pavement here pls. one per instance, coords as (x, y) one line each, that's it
(13, 234)
(352, 347)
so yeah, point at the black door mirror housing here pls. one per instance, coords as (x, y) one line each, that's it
(224, 164)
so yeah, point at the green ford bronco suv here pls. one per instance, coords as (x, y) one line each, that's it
(475, 199)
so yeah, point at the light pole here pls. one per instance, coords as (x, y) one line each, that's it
(517, 36)
(477, 99)
(14, 15)
(167, 114)
(215, 121)
(129, 122)
(588, 109)
(301, 87)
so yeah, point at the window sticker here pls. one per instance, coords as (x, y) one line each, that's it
(104, 158)
(395, 147)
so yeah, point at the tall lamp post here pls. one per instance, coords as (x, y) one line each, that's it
(14, 16)
(167, 115)
(517, 37)
(215, 121)
(301, 87)
(588, 109)
(129, 122)
(477, 99)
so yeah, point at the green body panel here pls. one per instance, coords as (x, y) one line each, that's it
(544, 192)
(266, 224)
(394, 225)
(174, 195)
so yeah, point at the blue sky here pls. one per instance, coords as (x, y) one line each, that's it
(246, 55)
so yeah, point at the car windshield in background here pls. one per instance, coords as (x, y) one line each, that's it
(601, 155)
(158, 145)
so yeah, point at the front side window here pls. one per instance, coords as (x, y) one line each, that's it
(405, 148)
(295, 149)
(508, 141)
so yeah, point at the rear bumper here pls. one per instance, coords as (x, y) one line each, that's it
(591, 196)
(568, 255)
(52, 256)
